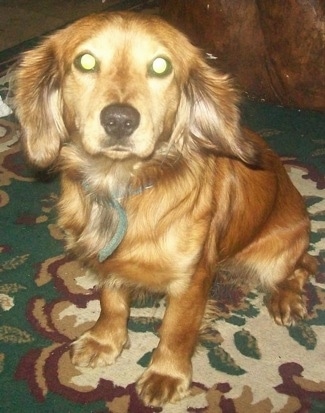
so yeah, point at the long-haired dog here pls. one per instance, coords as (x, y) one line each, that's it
(161, 187)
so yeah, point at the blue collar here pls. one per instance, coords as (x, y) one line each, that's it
(120, 232)
(122, 225)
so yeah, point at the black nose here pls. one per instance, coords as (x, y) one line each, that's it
(119, 121)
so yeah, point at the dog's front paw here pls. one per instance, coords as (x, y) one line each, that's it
(156, 389)
(92, 351)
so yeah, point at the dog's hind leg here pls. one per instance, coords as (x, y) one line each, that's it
(278, 261)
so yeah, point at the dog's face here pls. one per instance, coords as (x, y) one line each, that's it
(124, 86)
(121, 91)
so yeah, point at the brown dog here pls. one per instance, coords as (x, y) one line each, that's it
(161, 188)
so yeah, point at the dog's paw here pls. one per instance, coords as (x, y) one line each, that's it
(286, 307)
(156, 389)
(91, 351)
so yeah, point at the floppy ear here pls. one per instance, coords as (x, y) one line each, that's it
(38, 105)
(214, 120)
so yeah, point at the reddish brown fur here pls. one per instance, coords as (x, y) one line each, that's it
(200, 193)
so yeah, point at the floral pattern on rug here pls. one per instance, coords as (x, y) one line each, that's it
(244, 362)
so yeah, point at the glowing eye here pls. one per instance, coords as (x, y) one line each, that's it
(86, 63)
(160, 67)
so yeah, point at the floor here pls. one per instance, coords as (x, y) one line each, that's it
(21, 20)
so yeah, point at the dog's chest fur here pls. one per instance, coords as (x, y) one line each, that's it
(165, 234)
(156, 253)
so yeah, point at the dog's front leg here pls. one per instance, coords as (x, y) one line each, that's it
(104, 342)
(169, 375)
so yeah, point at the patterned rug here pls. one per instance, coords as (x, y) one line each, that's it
(244, 364)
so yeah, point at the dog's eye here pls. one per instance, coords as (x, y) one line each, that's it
(86, 62)
(160, 67)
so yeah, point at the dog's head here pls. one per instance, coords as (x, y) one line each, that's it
(124, 85)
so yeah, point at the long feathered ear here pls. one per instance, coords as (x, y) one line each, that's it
(214, 120)
(38, 106)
